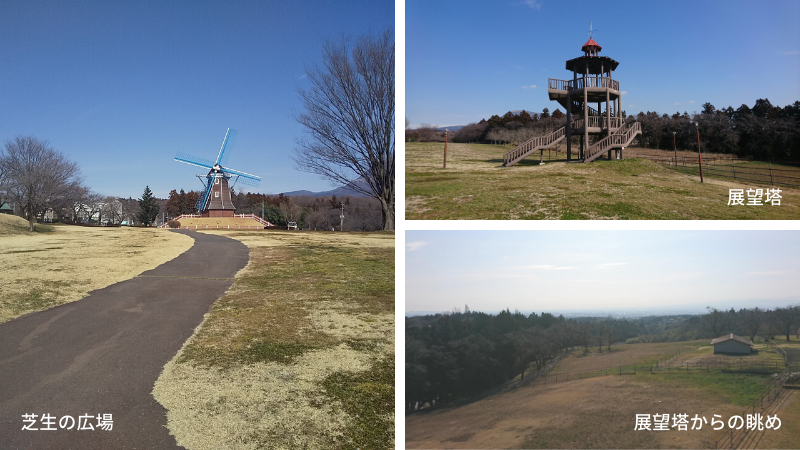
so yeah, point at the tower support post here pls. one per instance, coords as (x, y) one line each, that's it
(568, 133)
(585, 144)
(608, 120)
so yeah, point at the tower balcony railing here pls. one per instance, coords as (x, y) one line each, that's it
(599, 122)
(580, 83)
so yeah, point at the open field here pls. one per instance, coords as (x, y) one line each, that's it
(600, 412)
(475, 186)
(44, 269)
(299, 353)
(592, 413)
(620, 355)
(221, 222)
(763, 355)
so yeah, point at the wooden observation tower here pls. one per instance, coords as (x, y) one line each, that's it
(591, 84)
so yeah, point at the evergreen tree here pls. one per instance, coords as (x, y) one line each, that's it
(148, 207)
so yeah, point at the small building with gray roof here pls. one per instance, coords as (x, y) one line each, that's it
(732, 344)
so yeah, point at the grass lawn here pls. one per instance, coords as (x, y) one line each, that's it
(475, 186)
(299, 353)
(59, 264)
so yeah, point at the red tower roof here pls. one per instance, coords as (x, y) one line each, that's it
(589, 44)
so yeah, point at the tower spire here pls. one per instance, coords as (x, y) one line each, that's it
(591, 32)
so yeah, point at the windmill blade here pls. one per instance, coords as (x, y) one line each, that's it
(247, 181)
(242, 174)
(203, 199)
(227, 145)
(193, 160)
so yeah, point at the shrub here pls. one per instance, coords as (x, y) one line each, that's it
(173, 224)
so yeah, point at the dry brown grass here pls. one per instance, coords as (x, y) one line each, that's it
(11, 224)
(621, 355)
(475, 186)
(592, 413)
(307, 327)
(220, 222)
(42, 270)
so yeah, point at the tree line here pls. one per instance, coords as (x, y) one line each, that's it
(762, 132)
(43, 184)
(312, 213)
(454, 354)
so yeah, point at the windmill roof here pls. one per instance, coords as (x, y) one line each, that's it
(591, 43)
(729, 337)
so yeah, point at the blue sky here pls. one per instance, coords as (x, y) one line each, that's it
(468, 59)
(121, 86)
(571, 270)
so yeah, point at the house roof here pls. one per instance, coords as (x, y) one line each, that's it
(734, 337)
(5, 207)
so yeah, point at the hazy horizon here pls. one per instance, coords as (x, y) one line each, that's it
(575, 271)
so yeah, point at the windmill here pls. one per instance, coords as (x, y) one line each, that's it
(215, 200)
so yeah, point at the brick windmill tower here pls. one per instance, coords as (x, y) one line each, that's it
(592, 83)
(215, 200)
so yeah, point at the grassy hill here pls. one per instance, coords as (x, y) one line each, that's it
(11, 224)
(476, 186)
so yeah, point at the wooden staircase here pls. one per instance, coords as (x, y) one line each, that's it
(576, 107)
(622, 137)
(533, 144)
(549, 140)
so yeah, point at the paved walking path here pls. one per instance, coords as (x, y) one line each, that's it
(103, 354)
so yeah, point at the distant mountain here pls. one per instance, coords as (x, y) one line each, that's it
(341, 191)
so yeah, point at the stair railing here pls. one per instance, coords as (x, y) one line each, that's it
(621, 137)
(532, 143)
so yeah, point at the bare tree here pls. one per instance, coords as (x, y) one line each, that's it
(786, 318)
(112, 209)
(752, 321)
(714, 321)
(349, 119)
(426, 132)
(35, 175)
(93, 205)
(290, 211)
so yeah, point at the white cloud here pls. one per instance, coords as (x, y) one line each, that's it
(624, 92)
(677, 103)
(608, 265)
(792, 52)
(415, 245)
(533, 4)
(768, 273)
(548, 267)
(691, 101)
(533, 86)
(302, 76)
(631, 106)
